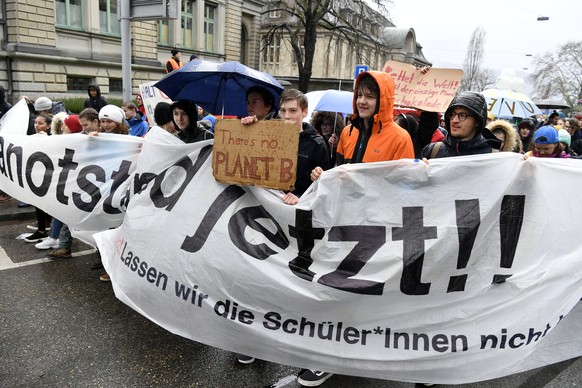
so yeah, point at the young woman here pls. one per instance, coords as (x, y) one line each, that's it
(112, 120)
(506, 133)
(42, 124)
(525, 130)
(547, 144)
(141, 107)
(328, 125)
(185, 115)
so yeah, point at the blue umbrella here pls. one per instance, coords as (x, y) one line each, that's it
(331, 101)
(218, 87)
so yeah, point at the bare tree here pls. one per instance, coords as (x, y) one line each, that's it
(302, 18)
(484, 80)
(559, 74)
(474, 76)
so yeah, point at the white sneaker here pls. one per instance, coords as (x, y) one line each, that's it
(48, 243)
(35, 227)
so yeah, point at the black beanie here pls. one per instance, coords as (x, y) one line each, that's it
(163, 113)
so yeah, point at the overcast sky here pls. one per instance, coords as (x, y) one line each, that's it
(444, 28)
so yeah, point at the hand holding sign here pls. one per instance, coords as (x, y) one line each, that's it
(422, 89)
(261, 154)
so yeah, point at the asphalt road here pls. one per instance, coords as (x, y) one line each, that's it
(61, 327)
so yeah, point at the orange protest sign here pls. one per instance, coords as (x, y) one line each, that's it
(262, 154)
(432, 91)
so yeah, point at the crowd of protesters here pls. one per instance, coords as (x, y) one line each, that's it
(371, 134)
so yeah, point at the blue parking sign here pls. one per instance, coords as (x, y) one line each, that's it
(360, 69)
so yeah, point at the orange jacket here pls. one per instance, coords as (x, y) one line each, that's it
(175, 65)
(385, 141)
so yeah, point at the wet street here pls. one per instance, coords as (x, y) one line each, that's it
(60, 326)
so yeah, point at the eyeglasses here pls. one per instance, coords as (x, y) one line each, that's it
(462, 116)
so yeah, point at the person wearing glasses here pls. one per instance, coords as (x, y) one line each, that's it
(465, 120)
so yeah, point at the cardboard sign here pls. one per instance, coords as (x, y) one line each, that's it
(262, 154)
(151, 96)
(431, 92)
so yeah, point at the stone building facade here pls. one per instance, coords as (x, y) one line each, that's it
(55, 48)
(335, 56)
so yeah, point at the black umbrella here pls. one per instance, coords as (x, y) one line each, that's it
(552, 104)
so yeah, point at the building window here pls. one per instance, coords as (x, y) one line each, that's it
(209, 27)
(77, 84)
(275, 14)
(69, 14)
(108, 22)
(272, 50)
(164, 32)
(188, 18)
(115, 85)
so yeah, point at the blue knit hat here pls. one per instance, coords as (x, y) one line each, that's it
(546, 135)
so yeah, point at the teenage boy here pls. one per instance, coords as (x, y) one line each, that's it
(312, 152)
(371, 137)
(465, 120)
(137, 124)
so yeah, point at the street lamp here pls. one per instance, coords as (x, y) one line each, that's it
(543, 18)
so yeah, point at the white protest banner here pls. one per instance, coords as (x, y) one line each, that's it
(452, 272)
(151, 96)
(82, 179)
(431, 92)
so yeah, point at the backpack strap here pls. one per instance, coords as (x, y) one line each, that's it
(435, 149)
(318, 139)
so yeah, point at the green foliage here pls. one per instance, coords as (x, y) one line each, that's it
(75, 104)
(115, 101)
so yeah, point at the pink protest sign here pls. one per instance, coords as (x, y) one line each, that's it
(432, 91)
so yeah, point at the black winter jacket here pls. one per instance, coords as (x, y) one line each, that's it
(312, 153)
(195, 134)
(96, 102)
(453, 147)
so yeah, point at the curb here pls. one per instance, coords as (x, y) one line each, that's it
(9, 211)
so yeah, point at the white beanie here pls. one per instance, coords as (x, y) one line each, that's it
(564, 137)
(43, 103)
(113, 113)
